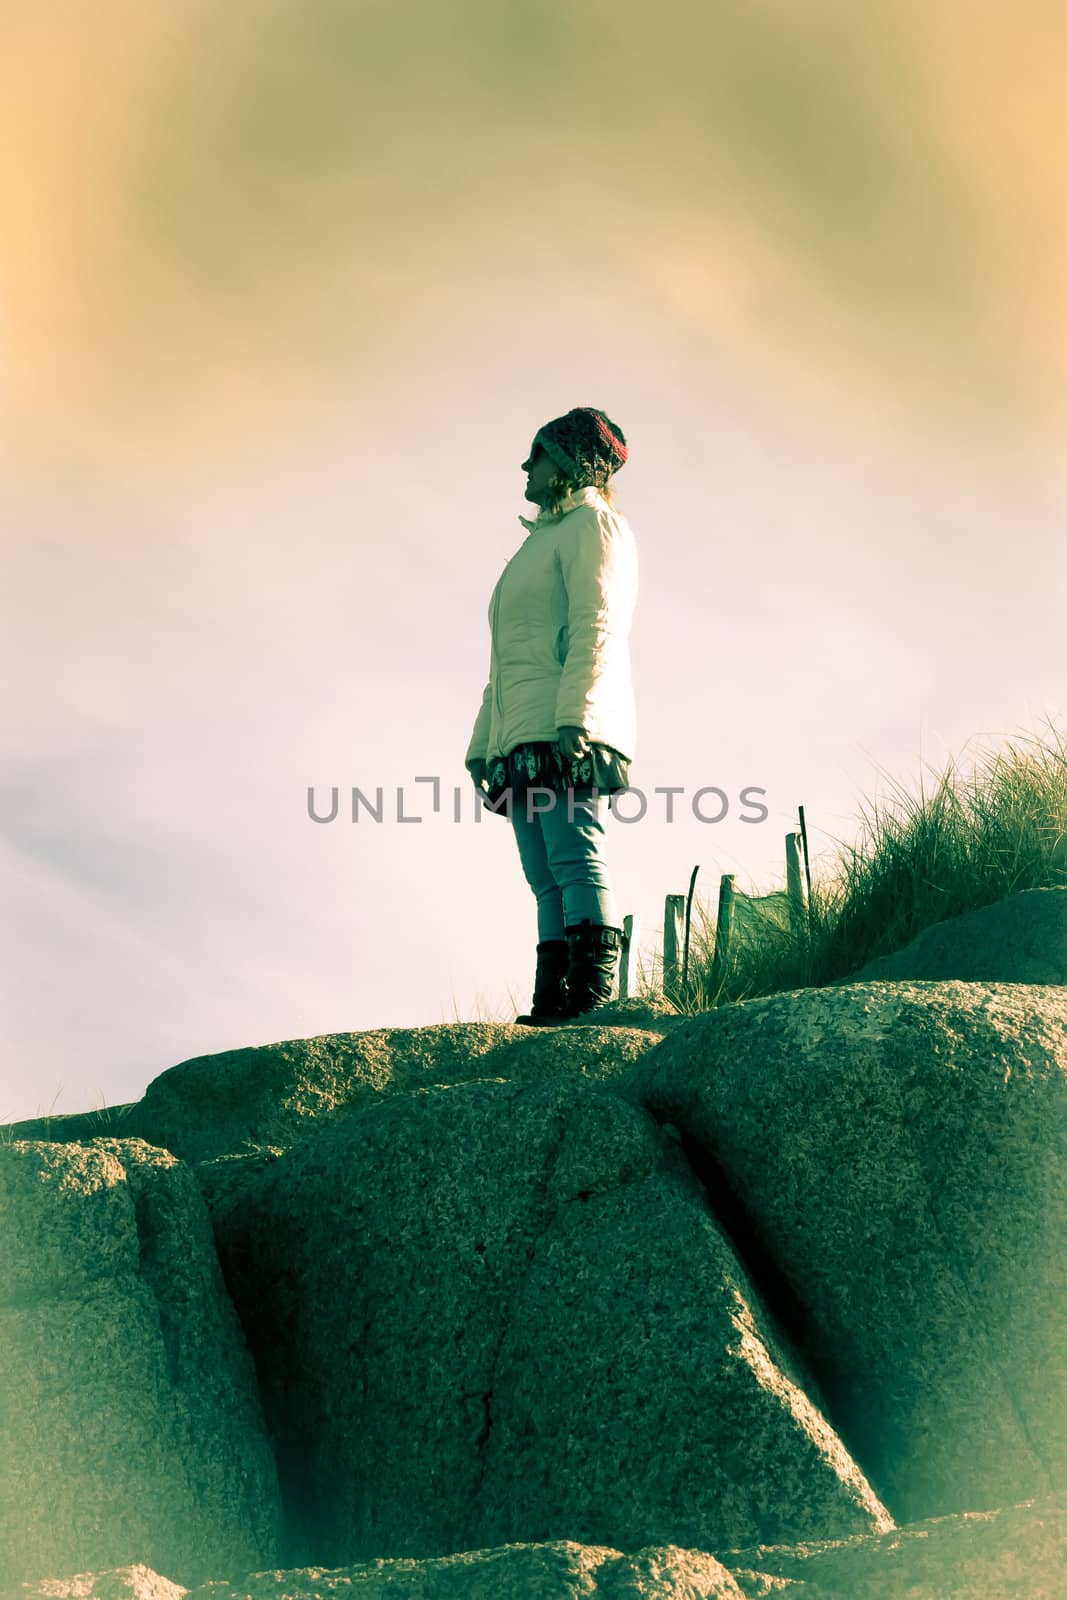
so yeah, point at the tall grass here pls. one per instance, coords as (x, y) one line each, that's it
(976, 838)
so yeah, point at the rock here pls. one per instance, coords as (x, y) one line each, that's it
(1018, 1553)
(76, 1127)
(137, 1582)
(894, 1157)
(498, 1313)
(131, 1421)
(273, 1094)
(651, 1012)
(270, 1095)
(558, 1570)
(1021, 939)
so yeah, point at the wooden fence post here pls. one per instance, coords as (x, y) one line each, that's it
(628, 959)
(673, 936)
(804, 842)
(794, 885)
(723, 925)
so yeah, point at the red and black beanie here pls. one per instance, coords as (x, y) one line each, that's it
(581, 440)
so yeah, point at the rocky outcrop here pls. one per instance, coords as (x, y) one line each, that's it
(1021, 939)
(497, 1312)
(896, 1152)
(272, 1095)
(1019, 1553)
(132, 1428)
(652, 1307)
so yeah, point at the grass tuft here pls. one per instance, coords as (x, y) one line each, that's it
(976, 838)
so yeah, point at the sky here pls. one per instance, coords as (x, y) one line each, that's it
(287, 287)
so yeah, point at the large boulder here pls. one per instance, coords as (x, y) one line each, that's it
(559, 1570)
(1019, 1553)
(1020, 939)
(270, 1095)
(500, 1312)
(1015, 1553)
(893, 1159)
(132, 1430)
(133, 1582)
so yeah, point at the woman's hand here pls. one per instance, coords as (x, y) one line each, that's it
(572, 741)
(477, 769)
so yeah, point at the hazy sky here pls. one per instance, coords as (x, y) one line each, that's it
(286, 289)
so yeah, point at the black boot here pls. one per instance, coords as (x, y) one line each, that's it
(592, 952)
(550, 985)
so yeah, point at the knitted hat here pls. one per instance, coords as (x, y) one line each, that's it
(579, 440)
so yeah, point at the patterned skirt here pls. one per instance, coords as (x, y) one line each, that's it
(539, 765)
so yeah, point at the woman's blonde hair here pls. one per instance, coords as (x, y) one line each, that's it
(596, 474)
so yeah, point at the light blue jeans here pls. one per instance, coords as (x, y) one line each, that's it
(562, 850)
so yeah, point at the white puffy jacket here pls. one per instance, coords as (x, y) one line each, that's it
(559, 621)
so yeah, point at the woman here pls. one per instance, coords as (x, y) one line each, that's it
(555, 733)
